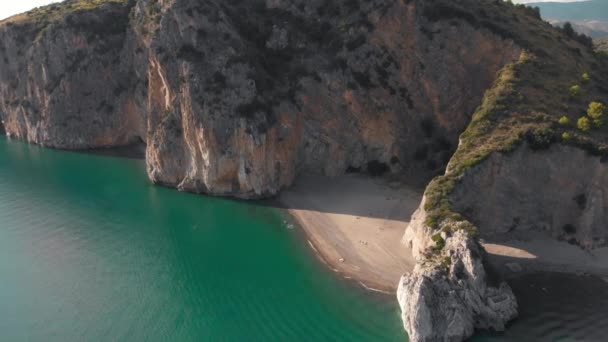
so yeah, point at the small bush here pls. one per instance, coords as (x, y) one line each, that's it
(564, 121)
(566, 136)
(540, 138)
(439, 242)
(583, 124)
(596, 113)
(585, 78)
(575, 91)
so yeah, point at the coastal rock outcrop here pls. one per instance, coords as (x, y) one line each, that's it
(448, 300)
(450, 293)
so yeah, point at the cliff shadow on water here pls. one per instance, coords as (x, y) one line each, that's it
(556, 306)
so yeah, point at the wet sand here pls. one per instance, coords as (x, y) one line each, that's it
(355, 223)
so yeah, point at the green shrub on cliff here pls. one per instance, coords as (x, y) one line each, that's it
(583, 124)
(575, 91)
(564, 121)
(585, 78)
(566, 136)
(596, 113)
(439, 242)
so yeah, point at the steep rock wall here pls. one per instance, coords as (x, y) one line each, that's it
(65, 82)
(239, 105)
(560, 191)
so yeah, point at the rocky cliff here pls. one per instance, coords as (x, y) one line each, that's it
(236, 98)
(527, 161)
(239, 105)
(65, 77)
(568, 181)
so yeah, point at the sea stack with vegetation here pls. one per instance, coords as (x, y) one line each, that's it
(501, 112)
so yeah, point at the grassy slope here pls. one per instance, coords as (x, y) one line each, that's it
(47, 14)
(526, 100)
(40, 18)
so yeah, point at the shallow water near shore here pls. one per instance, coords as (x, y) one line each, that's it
(89, 250)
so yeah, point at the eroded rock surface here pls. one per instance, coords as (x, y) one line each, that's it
(450, 294)
(65, 83)
(233, 104)
(560, 191)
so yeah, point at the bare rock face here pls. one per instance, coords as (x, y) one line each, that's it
(239, 105)
(561, 192)
(447, 298)
(64, 82)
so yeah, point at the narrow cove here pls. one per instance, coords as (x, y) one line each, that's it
(90, 250)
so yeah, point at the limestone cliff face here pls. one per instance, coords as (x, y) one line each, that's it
(450, 294)
(64, 83)
(447, 300)
(562, 192)
(239, 105)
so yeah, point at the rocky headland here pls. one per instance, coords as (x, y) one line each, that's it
(240, 98)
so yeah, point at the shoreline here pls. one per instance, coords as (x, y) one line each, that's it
(323, 259)
(354, 225)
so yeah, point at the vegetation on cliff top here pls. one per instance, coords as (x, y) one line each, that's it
(41, 18)
(47, 14)
(530, 101)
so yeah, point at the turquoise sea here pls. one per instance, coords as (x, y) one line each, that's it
(91, 251)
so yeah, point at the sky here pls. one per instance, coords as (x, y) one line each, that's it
(11, 7)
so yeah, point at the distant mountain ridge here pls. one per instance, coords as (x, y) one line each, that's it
(574, 11)
(587, 17)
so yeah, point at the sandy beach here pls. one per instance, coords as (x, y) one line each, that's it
(355, 223)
